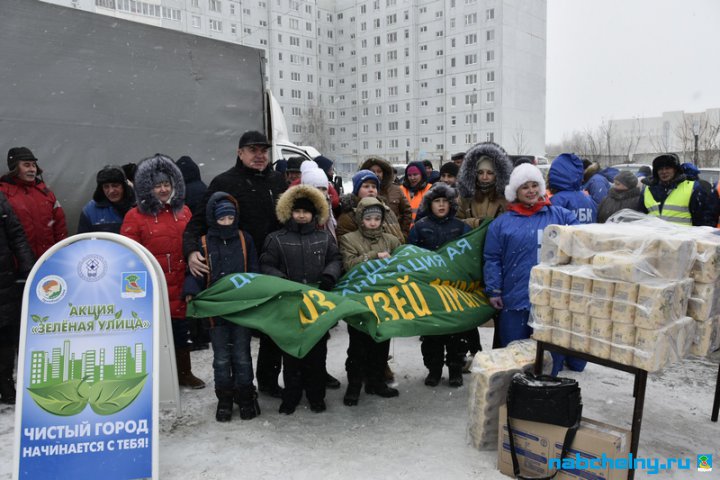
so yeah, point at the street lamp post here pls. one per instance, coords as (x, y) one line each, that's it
(696, 132)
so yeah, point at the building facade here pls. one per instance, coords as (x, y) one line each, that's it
(403, 79)
(685, 133)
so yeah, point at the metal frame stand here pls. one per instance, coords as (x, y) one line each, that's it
(638, 388)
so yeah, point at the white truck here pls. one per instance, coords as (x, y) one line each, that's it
(83, 90)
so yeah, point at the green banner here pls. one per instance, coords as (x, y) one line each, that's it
(414, 292)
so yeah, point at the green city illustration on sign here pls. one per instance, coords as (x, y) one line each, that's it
(64, 385)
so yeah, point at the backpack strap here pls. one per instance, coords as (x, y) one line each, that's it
(244, 248)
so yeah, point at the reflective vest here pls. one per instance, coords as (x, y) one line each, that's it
(416, 200)
(676, 207)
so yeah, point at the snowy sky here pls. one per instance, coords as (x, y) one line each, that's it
(612, 59)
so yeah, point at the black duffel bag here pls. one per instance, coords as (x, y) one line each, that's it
(543, 399)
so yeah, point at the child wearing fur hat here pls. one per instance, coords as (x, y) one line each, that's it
(227, 250)
(512, 249)
(157, 222)
(367, 359)
(302, 253)
(438, 227)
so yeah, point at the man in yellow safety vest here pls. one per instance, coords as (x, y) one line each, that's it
(673, 197)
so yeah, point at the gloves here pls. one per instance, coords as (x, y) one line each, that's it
(327, 283)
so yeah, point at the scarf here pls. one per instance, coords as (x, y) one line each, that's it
(524, 210)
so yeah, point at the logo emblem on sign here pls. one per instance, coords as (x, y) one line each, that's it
(92, 268)
(51, 289)
(134, 284)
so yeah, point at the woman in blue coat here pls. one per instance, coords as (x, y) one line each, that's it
(512, 248)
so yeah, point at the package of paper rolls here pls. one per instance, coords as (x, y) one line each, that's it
(641, 292)
(491, 372)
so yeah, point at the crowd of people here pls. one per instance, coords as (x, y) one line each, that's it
(293, 224)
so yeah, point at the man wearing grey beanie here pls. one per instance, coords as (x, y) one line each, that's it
(624, 193)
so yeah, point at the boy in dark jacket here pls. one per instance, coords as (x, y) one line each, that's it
(434, 230)
(227, 250)
(302, 253)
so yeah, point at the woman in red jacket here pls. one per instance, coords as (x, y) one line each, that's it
(41, 215)
(158, 222)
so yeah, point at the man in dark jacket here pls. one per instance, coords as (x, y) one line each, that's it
(256, 187)
(16, 260)
(673, 197)
(112, 199)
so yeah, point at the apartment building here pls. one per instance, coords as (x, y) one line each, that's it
(404, 79)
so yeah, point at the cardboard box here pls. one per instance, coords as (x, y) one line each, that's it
(536, 442)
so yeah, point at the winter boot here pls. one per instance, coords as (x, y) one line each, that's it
(331, 382)
(224, 406)
(381, 389)
(246, 398)
(433, 378)
(455, 374)
(287, 408)
(7, 386)
(352, 394)
(185, 375)
(318, 406)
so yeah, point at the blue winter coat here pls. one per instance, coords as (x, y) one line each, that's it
(99, 217)
(598, 187)
(565, 179)
(512, 248)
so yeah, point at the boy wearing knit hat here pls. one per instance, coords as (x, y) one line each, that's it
(448, 173)
(432, 231)
(367, 359)
(227, 250)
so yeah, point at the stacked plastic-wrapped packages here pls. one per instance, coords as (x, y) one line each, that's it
(704, 304)
(491, 373)
(621, 290)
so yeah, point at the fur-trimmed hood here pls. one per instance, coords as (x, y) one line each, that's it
(369, 202)
(438, 190)
(388, 171)
(146, 175)
(287, 199)
(467, 176)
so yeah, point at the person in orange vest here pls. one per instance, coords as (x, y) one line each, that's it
(414, 185)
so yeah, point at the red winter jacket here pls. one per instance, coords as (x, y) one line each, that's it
(41, 215)
(162, 235)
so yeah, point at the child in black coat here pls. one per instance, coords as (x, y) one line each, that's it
(435, 229)
(227, 250)
(302, 253)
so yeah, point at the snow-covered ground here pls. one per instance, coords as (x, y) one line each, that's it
(419, 435)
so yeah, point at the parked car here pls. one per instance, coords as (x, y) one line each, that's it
(631, 167)
(711, 175)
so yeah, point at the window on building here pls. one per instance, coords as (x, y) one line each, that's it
(490, 14)
(490, 55)
(490, 96)
(490, 76)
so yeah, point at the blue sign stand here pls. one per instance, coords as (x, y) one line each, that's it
(89, 362)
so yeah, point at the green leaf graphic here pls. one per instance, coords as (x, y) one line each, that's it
(132, 278)
(36, 318)
(63, 399)
(84, 389)
(111, 396)
(118, 315)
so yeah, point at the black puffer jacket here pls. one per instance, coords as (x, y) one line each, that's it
(13, 247)
(301, 253)
(256, 193)
(432, 232)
